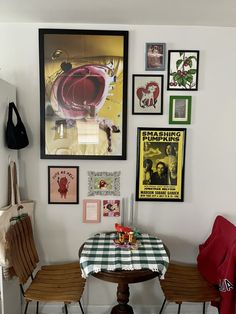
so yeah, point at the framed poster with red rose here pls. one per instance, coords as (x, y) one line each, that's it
(83, 93)
(63, 185)
(147, 94)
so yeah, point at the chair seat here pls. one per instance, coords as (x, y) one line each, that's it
(60, 283)
(184, 283)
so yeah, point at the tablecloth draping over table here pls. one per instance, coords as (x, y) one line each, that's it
(100, 254)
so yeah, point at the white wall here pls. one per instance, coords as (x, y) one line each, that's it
(209, 169)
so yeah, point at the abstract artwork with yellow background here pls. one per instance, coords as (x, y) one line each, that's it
(83, 89)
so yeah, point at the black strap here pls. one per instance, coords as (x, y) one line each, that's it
(12, 107)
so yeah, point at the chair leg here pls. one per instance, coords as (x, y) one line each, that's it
(162, 307)
(81, 307)
(26, 307)
(66, 310)
(37, 307)
(204, 307)
(179, 308)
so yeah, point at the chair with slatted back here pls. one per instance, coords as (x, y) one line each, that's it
(184, 283)
(58, 283)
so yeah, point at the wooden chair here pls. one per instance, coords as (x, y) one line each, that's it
(184, 283)
(58, 283)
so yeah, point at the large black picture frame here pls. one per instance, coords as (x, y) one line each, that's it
(83, 93)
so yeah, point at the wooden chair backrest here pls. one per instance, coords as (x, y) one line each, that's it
(21, 250)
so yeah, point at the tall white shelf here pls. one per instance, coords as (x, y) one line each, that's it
(10, 292)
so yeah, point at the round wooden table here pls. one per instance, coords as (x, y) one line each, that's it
(124, 278)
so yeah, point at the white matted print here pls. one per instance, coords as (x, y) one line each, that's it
(147, 96)
(111, 208)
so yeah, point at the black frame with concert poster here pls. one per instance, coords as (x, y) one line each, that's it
(160, 164)
(83, 93)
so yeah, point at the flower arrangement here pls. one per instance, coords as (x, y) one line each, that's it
(126, 235)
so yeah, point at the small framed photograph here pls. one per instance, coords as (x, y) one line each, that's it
(91, 211)
(155, 56)
(111, 208)
(147, 96)
(180, 109)
(103, 183)
(183, 67)
(63, 187)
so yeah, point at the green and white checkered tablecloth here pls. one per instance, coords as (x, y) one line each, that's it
(100, 254)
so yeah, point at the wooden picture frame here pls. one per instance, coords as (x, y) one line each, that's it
(183, 68)
(160, 164)
(63, 185)
(180, 109)
(91, 211)
(155, 56)
(83, 93)
(147, 94)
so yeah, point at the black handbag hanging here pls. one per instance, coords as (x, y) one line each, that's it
(16, 136)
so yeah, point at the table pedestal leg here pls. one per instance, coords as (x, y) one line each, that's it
(122, 299)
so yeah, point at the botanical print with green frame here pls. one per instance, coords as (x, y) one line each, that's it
(180, 109)
(183, 68)
(103, 183)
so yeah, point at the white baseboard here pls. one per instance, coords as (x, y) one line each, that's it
(171, 308)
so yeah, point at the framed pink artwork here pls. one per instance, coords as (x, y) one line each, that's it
(91, 211)
(63, 187)
(111, 208)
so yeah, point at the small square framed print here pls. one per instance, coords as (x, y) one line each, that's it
(91, 211)
(147, 95)
(180, 109)
(111, 208)
(183, 66)
(155, 56)
(63, 185)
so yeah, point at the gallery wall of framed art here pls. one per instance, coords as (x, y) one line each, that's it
(84, 103)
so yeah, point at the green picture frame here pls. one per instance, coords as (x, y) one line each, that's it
(180, 110)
